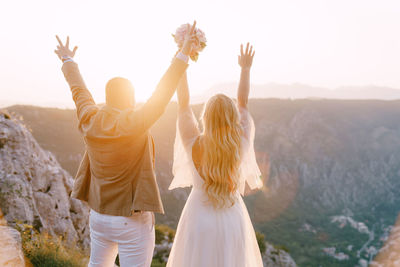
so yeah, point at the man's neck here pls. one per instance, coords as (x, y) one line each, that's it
(119, 108)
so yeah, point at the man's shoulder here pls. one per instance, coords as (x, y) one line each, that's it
(107, 123)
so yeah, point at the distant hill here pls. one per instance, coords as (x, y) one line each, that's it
(302, 91)
(333, 169)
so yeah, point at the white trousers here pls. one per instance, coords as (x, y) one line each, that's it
(132, 238)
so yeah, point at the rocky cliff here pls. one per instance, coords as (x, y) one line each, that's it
(34, 188)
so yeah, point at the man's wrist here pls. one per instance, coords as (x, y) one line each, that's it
(65, 59)
(182, 57)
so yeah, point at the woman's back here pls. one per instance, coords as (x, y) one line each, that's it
(208, 235)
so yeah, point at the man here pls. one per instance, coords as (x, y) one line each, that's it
(116, 176)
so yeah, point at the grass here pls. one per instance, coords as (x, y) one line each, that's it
(261, 242)
(158, 263)
(44, 250)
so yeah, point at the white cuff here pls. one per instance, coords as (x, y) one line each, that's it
(182, 57)
(68, 60)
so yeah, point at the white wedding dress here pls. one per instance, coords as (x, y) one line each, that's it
(209, 237)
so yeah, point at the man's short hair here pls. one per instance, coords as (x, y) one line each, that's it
(119, 92)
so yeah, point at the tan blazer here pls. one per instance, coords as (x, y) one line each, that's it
(116, 175)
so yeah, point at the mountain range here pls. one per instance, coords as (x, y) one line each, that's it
(303, 91)
(331, 170)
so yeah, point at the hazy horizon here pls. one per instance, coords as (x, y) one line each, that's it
(263, 91)
(319, 43)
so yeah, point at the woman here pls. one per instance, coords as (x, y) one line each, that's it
(215, 228)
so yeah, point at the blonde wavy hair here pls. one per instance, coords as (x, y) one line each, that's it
(220, 142)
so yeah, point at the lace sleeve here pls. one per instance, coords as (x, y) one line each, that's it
(249, 170)
(186, 133)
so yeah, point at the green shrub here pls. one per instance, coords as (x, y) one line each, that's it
(164, 232)
(281, 247)
(261, 242)
(158, 263)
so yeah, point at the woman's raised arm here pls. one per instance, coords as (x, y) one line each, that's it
(183, 92)
(187, 122)
(245, 61)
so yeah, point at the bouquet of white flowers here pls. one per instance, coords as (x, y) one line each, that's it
(197, 46)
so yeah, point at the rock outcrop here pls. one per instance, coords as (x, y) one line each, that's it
(11, 254)
(34, 189)
(275, 257)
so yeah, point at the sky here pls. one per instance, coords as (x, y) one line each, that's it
(315, 42)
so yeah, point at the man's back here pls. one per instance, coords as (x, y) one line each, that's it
(116, 175)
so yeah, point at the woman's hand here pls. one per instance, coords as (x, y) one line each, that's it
(63, 52)
(245, 59)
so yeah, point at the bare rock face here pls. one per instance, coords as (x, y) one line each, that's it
(34, 189)
(277, 257)
(11, 254)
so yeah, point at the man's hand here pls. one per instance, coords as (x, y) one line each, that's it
(245, 60)
(190, 38)
(63, 52)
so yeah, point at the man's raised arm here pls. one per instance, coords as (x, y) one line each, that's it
(155, 106)
(85, 105)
